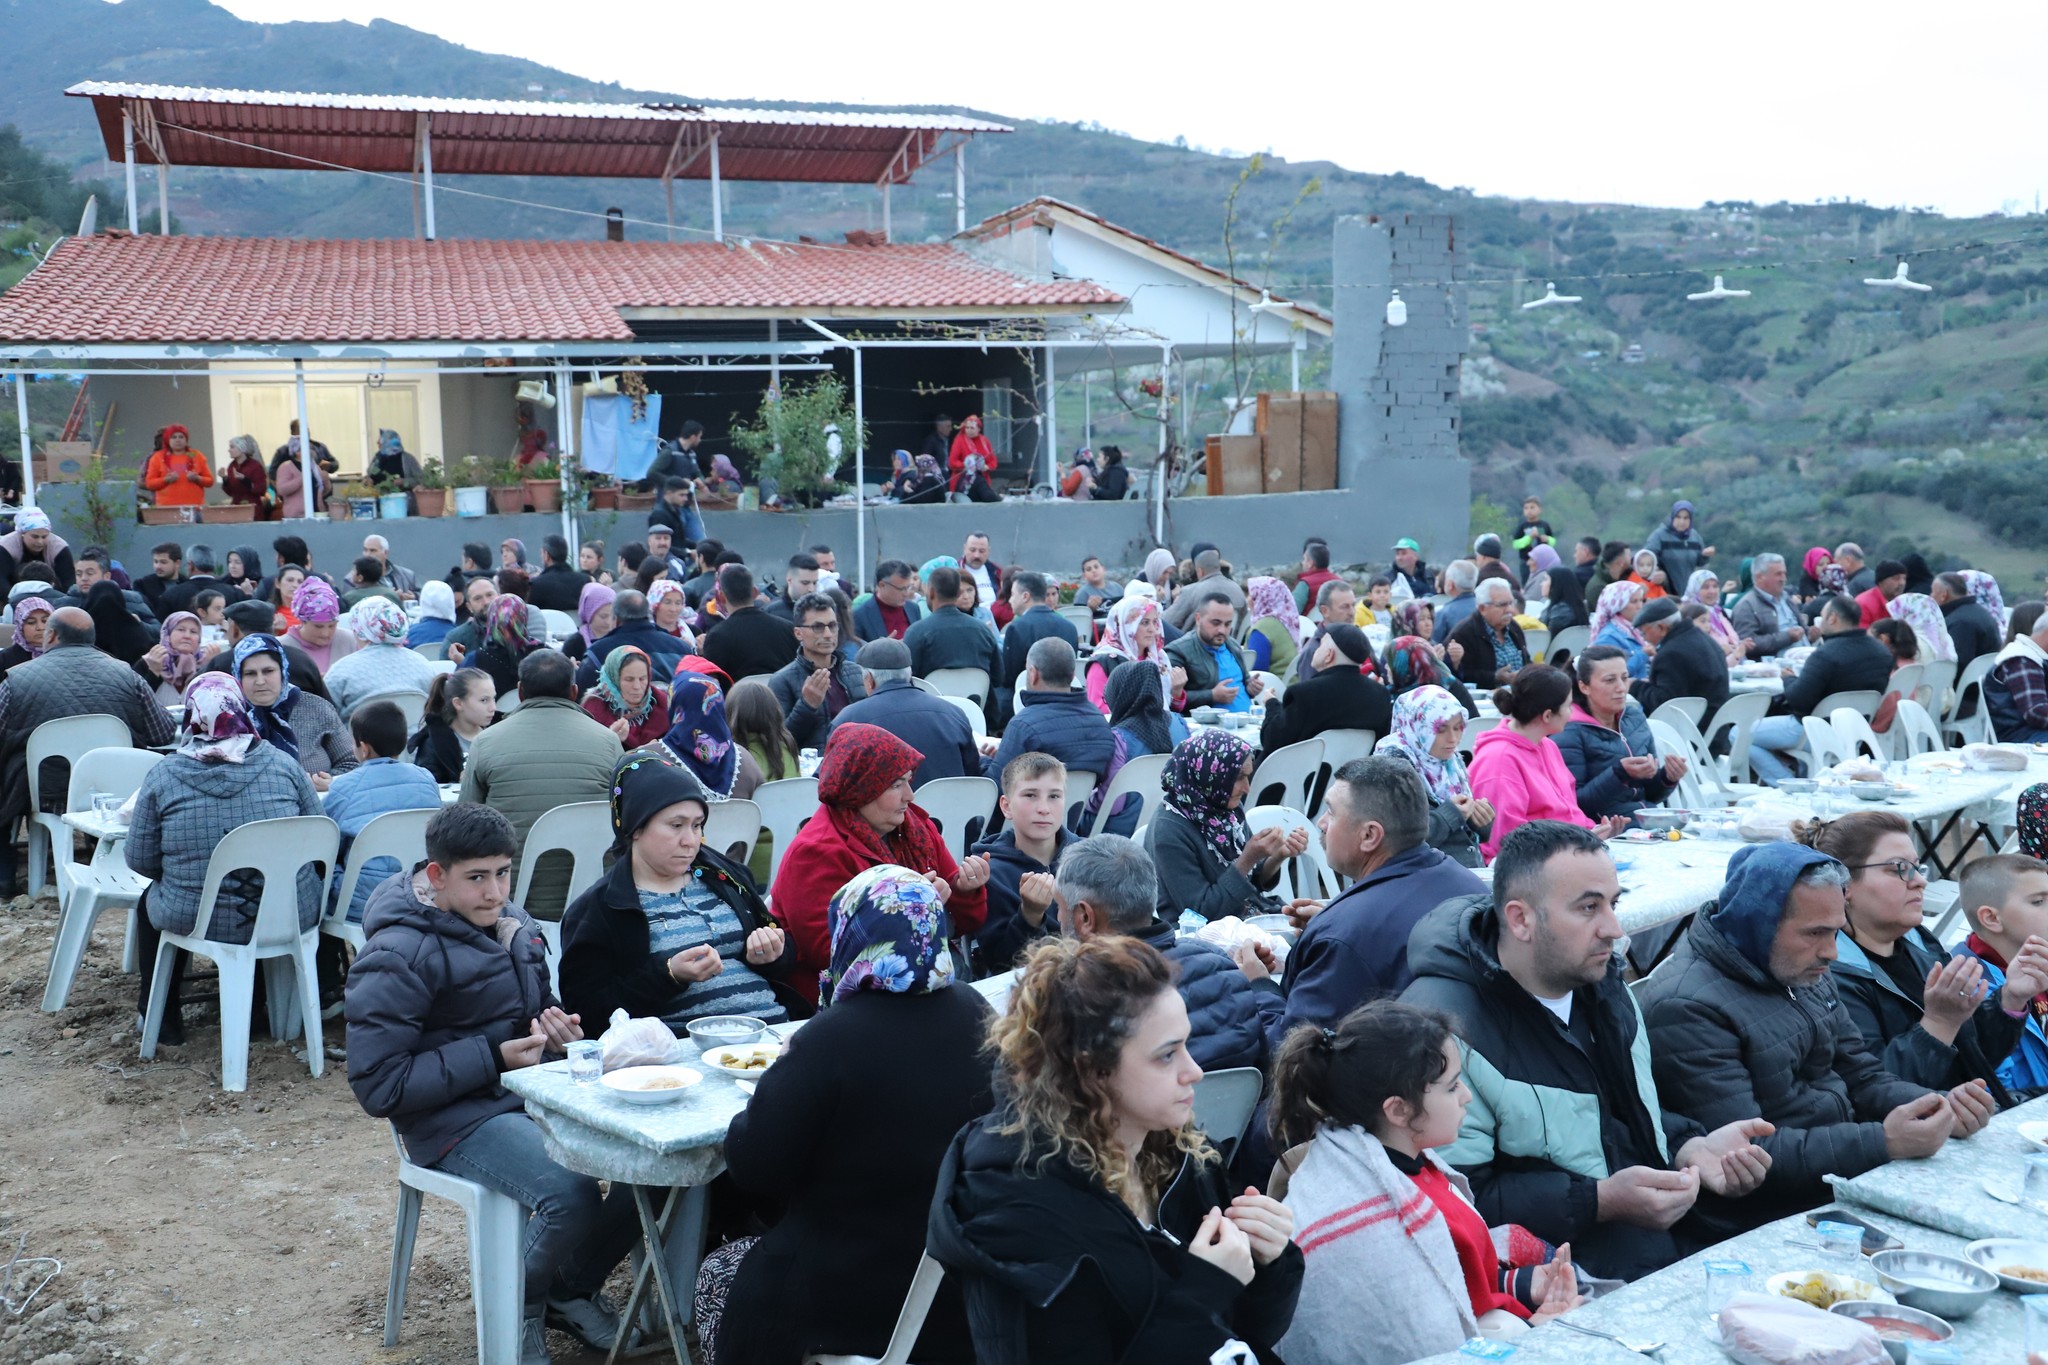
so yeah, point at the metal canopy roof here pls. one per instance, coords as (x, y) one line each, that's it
(282, 130)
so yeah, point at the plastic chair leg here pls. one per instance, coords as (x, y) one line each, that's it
(497, 1275)
(38, 854)
(403, 1235)
(159, 992)
(74, 931)
(237, 1003)
(280, 999)
(309, 1006)
(129, 962)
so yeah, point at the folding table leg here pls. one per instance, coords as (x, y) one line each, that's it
(654, 1232)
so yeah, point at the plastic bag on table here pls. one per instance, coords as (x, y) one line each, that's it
(1764, 1329)
(1995, 758)
(635, 1042)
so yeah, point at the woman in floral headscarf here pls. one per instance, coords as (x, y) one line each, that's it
(1704, 588)
(1818, 571)
(1276, 625)
(319, 631)
(697, 734)
(1130, 631)
(866, 817)
(1614, 623)
(1207, 858)
(1412, 662)
(844, 1139)
(507, 639)
(1428, 724)
(626, 700)
(293, 720)
(666, 604)
(381, 663)
(1984, 588)
(220, 777)
(175, 659)
(31, 624)
(1919, 611)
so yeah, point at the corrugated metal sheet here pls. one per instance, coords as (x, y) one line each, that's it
(114, 288)
(269, 129)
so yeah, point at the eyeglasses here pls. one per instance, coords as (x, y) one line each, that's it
(819, 625)
(1899, 868)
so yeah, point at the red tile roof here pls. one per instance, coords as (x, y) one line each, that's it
(114, 288)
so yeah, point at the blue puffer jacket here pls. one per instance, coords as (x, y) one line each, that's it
(361, 795)
(1063, 724)
(1594, 754)
(1228, 1013)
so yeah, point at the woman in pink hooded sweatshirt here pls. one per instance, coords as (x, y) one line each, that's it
(1517, 767)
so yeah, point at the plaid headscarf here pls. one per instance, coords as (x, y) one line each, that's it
(1420, 715)
(315, 603)
(379, 621)
(860, 763)
(888, 934)
(1197, 783)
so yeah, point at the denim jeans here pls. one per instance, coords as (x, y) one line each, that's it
(575, 1236)
(1774, 733)
(693, 524)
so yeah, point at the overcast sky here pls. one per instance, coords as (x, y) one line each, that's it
(1587, 100)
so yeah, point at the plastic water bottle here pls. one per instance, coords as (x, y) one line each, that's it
(1190, 922)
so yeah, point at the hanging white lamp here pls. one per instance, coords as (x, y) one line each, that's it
(1719, 291)
(1550, 297)
(1900, 281)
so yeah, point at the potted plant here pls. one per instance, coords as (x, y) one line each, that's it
(791, 445)
(430, 493)
(602, 489)
(508, 493)
(471, 497)
(215, 513)
(543, 484)
(361, 496)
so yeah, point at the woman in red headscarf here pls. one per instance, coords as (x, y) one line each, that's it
(972, 459)
(177, 474)
(865, 819)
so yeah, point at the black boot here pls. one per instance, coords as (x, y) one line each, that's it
(171, 1033)
(10, 862)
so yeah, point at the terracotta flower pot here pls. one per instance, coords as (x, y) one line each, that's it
(510, 501)
(337, 509)
(543, 495)
(167, 516)
(635, 502)
(218, 513)
(604, 499)
(430, 502)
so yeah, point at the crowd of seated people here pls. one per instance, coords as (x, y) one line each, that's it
(1805, 1025)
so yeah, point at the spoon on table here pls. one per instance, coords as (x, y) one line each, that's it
(1641, 1348)
(2001, 1194)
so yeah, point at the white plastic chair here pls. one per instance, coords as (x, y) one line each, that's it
(977, 720)
(732, 827)
(960, 682)
(1907, 680)
(1225, 1102)
(560, 624)
(1082, 619)
(1293, 768)
(61, 738)
(1864, 703)
(508, 702)
(1270, 686)
(1538, 639)
(917, 1305)
(87, 890)
(923, 686)
(785, 807)
(1856, 733)
(1339, 747)
(497, 1235)
(397, 834)
(411, 704)
(1571, 640)
(435, 653)
(443, 665)
(583, 830)
(1080, 786)
(1976, 727)
(1139, 777)
(1914, 730)
(1292, 883)
(1937, 678)
(1824, 746)
(956, 803)
(277, 849)
(1694, 709)
(1739, 713)
(1689, 793)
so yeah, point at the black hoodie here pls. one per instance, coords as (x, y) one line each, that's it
(1055, 1268)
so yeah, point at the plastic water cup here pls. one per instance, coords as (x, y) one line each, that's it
(807, 761)
(105, 805)
(586, 1061)
(1841, 1246)
(2034, 1182)
(1725, 1279)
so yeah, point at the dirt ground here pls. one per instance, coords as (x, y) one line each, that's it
(195, 1225)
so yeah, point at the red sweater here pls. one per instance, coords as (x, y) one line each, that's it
(1474, 1242)
(965, 445)
(818, 863)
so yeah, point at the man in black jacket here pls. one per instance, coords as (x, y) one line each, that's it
(559, 584)
(1687, 664)
(1849, 659)
(1034, 604)
(1495, 648)
(748, 641)
(1338, 697)
(948, 637)
(931, 725)
(820, 682)
(1970, 626)
(200, 566)
(799, 580)
(1567, 1134)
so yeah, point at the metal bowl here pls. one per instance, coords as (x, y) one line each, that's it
(726, 1030)
(1946, 1286)
(1899, 1350)
(1799, 786)
(1870, 791)
(1663, 821)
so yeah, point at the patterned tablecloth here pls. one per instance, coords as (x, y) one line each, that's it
(1947, 1190)
(1663, 882)
(1670, 1306)
(589, 1129)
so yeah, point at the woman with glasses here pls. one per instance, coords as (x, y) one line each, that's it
(1928, 1017)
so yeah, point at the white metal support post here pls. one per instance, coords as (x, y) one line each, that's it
(128, 148)
(427, 168)
(887, 235)
(307, 465)
(775, 357)
(717, 188)
(960, 186)
(1294, 358)
(565, 404)
(860, 478)
(163, 200)
(1049, 431)
(1159, 467)
(28, 452)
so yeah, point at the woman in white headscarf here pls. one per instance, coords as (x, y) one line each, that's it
(437, 615)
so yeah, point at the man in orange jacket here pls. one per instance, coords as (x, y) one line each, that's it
(177, 474)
